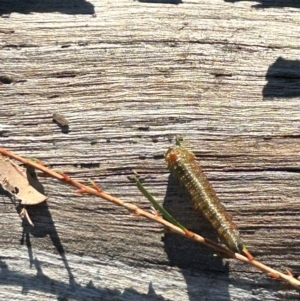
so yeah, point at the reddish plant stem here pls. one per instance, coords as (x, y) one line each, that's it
(156, 218)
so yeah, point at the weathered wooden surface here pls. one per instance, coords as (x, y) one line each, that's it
(224, 75)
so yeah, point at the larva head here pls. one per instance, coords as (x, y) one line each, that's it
(176, 154)
(171, 156)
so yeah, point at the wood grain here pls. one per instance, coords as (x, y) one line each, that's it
(129, 76)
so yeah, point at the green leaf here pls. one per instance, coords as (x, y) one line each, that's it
(177, 143)
(156, 205)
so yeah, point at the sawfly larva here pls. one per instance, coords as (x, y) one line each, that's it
(187, 171)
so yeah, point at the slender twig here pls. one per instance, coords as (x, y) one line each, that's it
(156, 218)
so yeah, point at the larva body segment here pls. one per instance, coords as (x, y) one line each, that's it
(187, 171)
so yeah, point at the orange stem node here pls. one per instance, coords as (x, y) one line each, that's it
(96, 186)
(66, 177)
(274, 275)
(248, 254)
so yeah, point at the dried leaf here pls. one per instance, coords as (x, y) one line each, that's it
(14, 180)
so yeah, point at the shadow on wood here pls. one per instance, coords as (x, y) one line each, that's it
(193, 258)
(162, 1)
(46, 6)
(65, 291)
(43, 226)
(283, 79)
(271, 3)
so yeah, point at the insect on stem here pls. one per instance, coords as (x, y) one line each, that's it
(294, 281)
(187, 171)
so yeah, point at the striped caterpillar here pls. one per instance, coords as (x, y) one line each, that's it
(187, 171)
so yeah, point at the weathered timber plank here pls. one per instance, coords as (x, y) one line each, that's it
(224, 75)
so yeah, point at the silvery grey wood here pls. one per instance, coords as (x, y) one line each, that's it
(129, 76)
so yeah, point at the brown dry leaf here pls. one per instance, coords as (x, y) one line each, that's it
(13, 179)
